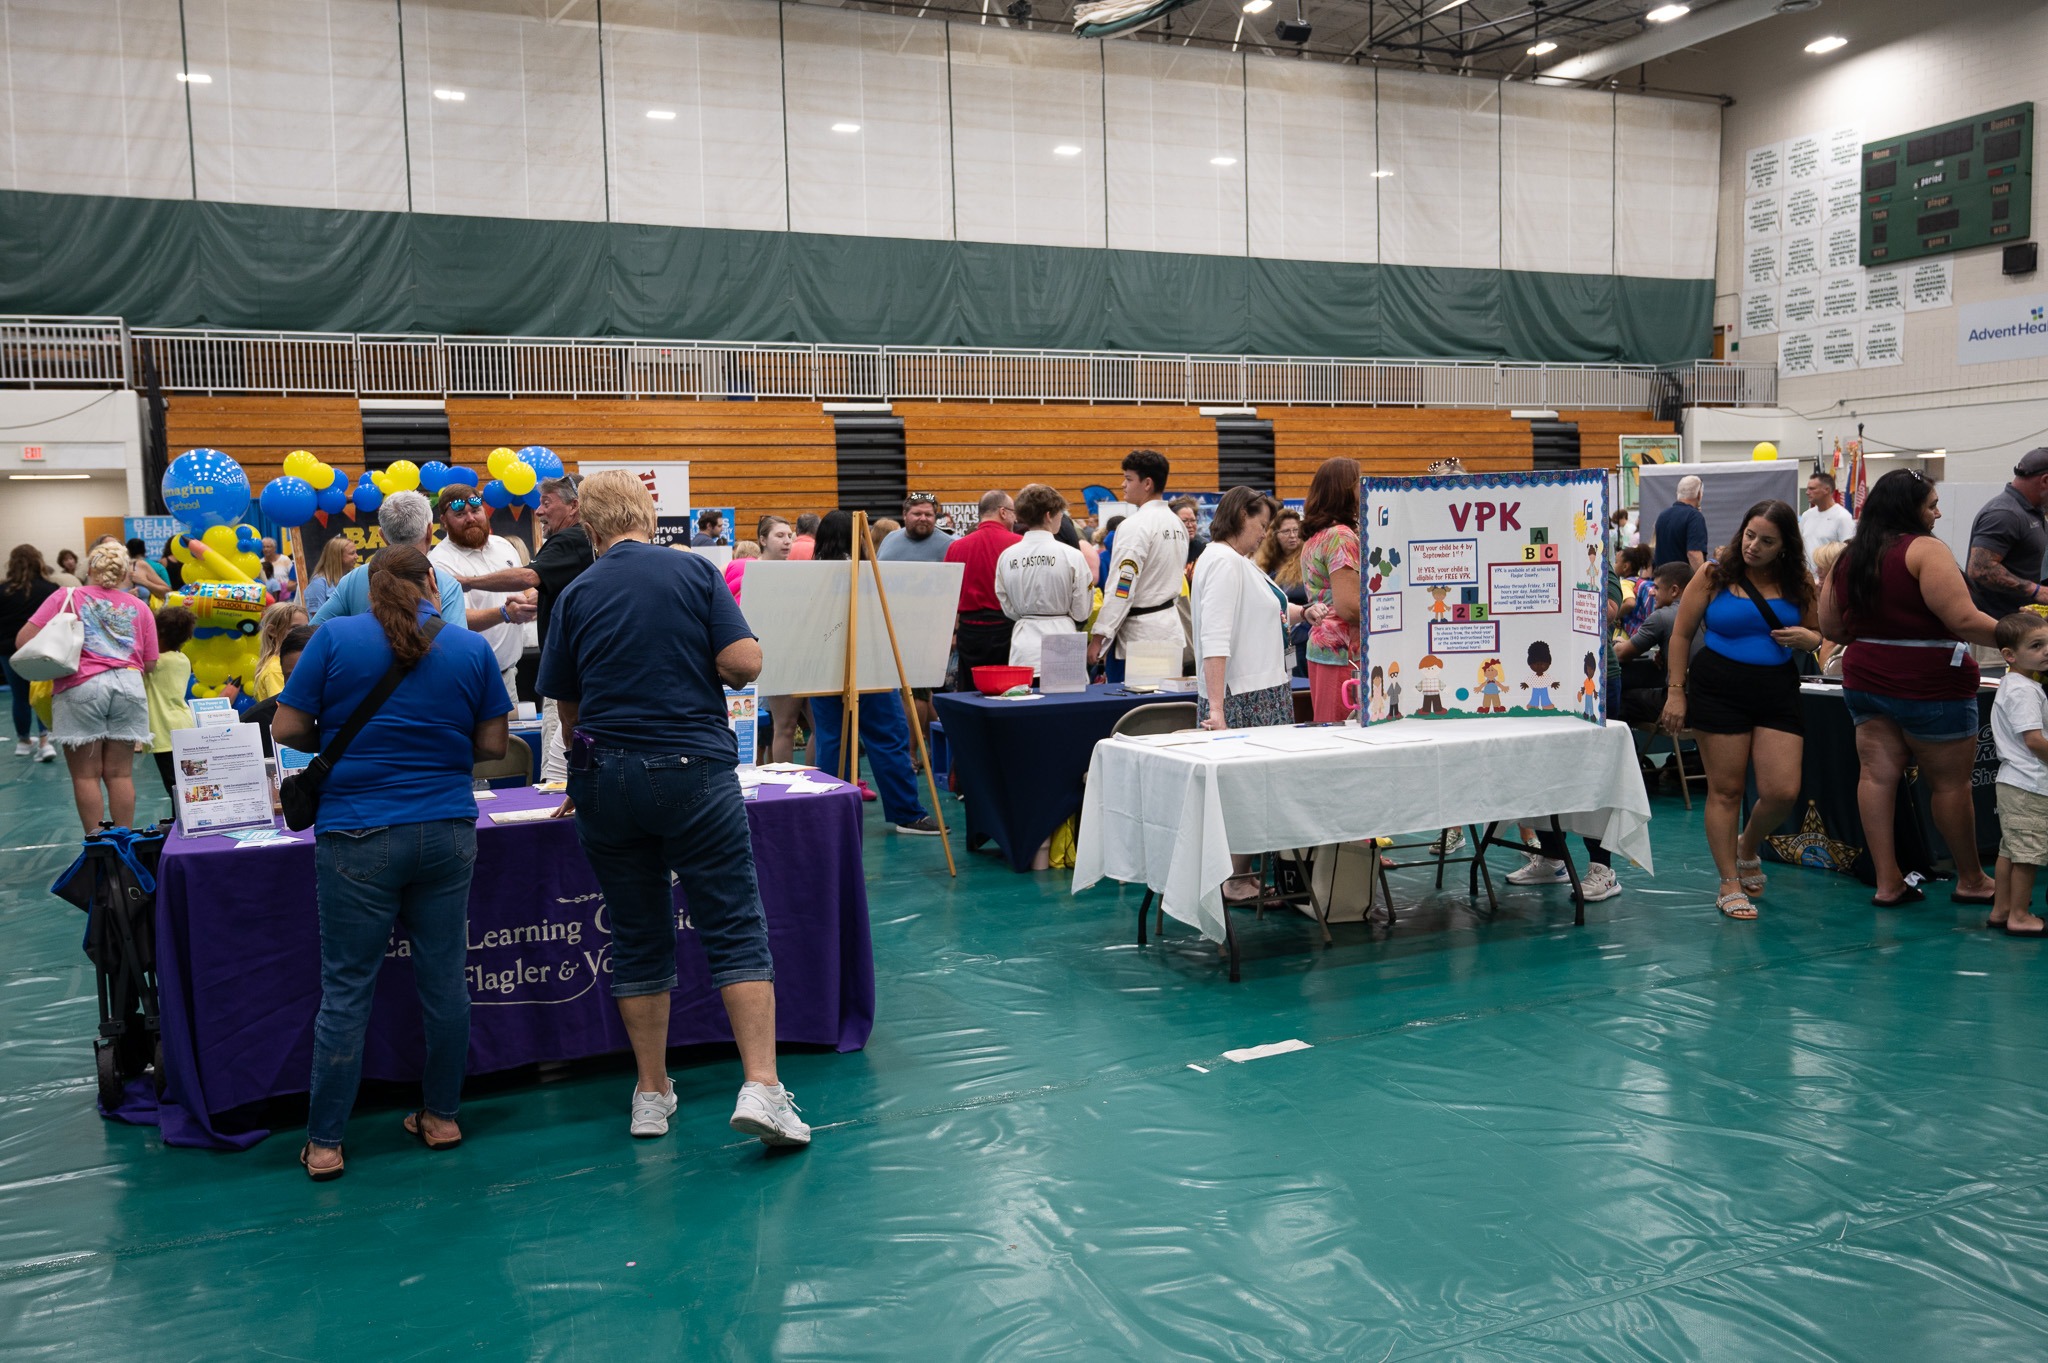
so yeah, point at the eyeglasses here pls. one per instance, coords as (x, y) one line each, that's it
(463, 503)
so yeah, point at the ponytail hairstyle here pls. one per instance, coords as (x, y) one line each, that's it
(400, 577)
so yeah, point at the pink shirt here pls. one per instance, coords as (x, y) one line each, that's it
(119, 631)
(801, 547)
(735, 572)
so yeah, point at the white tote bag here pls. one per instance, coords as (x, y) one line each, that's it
(53, 653)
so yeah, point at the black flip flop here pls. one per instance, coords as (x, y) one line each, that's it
(322, 1175)
(2037, 934)
(416, 1125)
(1978, 900)
(1913, 895)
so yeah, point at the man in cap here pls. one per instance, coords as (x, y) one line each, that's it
(2008, 540)
(919, 540)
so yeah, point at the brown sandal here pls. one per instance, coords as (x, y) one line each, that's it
(416, 1124)
(322, 1175)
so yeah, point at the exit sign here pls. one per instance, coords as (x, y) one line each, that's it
(32, 453)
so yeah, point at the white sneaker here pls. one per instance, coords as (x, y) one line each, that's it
(24, 748)
(770, 1113)
(651, 1112)
(1598, 883)
(1448, 841)
(1540, 870)
(48, 752)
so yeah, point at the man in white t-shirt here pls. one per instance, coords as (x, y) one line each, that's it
(469, 549)
(1825, 520)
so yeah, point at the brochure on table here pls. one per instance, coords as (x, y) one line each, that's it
(221, 781)
(1485, 595)
(743, 713)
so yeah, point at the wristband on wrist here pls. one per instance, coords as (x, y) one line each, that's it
(505, 613)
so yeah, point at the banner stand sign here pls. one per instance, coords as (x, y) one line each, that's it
(1485, 595)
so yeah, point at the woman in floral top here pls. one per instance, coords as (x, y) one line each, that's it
(1329, 574)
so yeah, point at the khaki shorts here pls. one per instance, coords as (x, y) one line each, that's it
(2023, 826)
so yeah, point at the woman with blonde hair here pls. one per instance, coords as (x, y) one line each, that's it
(335, 561)
(279, 619)
(101, 711)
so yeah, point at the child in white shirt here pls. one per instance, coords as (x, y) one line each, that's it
(2017, 720)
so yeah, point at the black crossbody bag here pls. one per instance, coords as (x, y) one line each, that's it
(299, 793)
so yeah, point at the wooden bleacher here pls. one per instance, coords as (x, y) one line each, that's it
(960, 450)
(259, 432)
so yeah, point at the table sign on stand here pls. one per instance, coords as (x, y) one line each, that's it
(221, 781)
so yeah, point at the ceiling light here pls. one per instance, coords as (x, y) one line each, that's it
(46, 477)
(1827, 44)
(1223, 160)
(662, 115)
(195, 78)
(1664, 14)
(1543, 49)
(452, 96)
(1382, 174)
(1257, 6)
(1066, 149)
(846, 127)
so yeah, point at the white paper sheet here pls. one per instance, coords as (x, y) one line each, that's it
(1063, 664)
(522, 815)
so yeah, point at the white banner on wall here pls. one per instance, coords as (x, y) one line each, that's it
(1799, 304)
(666, 480)
(1930, 284)
(1760, 264)
(1804, 156)
(1760, 312)
(1765, 168)
(1841, 297)
(1499, 603)
(1802, 208)
(1797, 354)
(1844, 150)
(1883, 343)
(1838, 348)
(1884, 291)
(1843, 198)
(2004, 329)
(1842, 248)
(1760, 218)
(1802, 256)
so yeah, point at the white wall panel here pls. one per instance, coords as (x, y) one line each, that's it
(1557, 180)
(1441, 138)
(1311, 155)
(1017, 97)
(891, 178)
(524, 141)
(1667, 187)
(94, 98)
(718, 68)
(305, 103)
(1172, 112)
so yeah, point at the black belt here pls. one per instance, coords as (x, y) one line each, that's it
(983, 617)
(1167, 604)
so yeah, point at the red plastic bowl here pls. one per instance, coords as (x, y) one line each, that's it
(993, 681)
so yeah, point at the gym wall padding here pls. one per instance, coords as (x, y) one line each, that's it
(190, 263)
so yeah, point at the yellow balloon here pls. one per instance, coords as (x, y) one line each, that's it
(518, 478)
(300, 464)
(498, 459)
(1764, 450)
(381, 483)
(321, 476)
(402, 476)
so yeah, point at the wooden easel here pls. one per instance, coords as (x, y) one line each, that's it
(849, 756)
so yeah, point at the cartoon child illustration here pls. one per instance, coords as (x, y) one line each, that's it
(1376, 698)
(1437, 609)
(1589, 693)
(1429, 681)
(1594, 577)
(1393, 690)
(1539, 664)
(1492, 682)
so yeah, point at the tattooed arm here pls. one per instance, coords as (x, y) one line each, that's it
(1989, 573)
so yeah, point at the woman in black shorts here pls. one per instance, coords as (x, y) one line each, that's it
(1741, 694)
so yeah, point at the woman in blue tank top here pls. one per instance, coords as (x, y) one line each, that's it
(1740, 696)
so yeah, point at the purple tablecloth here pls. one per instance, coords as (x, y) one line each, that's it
(238, 959)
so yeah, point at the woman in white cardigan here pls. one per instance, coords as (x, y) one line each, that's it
(1242, 637)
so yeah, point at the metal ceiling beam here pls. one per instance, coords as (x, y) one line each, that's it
(1661, 40)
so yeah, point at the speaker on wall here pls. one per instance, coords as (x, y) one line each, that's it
(2021, 258)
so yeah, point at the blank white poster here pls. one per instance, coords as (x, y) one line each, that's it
(799, 613)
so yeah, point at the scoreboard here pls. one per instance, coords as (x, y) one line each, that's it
(1949, 188)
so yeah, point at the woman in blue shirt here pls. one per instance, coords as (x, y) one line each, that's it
(396, 834)
(1740, 696)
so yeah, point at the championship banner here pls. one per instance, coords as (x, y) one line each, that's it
(1484, 594)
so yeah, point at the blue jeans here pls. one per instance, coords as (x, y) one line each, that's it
(410, 874)
(24, 715)
(884, 740)
(642, 815)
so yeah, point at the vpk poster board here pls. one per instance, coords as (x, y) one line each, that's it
(1486, 594)
(1728, 490)
(798, 611)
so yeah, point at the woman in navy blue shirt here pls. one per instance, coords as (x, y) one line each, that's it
(1740, 696)
(396, 834)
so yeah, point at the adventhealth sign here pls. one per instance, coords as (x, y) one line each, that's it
(2009, 329)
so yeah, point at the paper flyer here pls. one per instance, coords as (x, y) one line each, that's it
(221, 780)
(1486, 595)
(743, 713)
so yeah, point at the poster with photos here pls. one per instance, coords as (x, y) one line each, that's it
(1486, 596)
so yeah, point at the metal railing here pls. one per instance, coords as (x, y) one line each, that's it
(100, 351)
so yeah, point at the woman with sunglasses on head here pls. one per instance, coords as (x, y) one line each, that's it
(1740, 696)
(1908, 677)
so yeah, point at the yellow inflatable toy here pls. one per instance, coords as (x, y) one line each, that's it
(221, 589)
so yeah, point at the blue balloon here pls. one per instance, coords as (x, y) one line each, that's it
(433, 477)
(544, 462)
(496, 495)
(367, 496)
(460, 475)
(204, 488)
(289, 501)
(532, 498)
(332, 498)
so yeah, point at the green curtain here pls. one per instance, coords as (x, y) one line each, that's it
(184, 263)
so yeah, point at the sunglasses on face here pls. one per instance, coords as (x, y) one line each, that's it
(463, 504)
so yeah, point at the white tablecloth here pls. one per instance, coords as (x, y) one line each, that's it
(1170, 816)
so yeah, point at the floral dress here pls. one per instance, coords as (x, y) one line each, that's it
(1331, 642)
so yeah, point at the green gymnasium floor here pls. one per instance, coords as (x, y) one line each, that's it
(1663, 1136)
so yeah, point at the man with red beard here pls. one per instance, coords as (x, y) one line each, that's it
(469, 549)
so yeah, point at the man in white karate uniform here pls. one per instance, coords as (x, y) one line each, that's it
(1148, 565)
